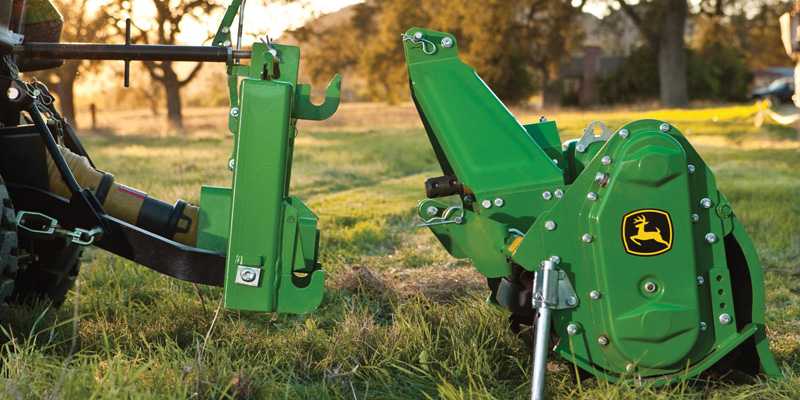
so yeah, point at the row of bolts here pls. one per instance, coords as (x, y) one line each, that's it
(601, 179)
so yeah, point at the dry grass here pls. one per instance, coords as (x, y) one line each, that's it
(400, 319)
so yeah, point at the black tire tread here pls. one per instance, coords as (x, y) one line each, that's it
(8, 244)
(48, 272)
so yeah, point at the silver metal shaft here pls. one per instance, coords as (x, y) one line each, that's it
(541, 347)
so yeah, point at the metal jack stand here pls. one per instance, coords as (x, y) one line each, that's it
(552, 290)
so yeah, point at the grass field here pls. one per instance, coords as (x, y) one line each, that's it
(400, 320)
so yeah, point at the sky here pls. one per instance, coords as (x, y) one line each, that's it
(272, 19)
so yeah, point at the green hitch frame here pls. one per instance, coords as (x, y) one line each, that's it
(270, 237)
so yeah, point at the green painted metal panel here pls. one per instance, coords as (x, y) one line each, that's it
(545, 134)
(257, 197)
(485, 145)
(215, 218)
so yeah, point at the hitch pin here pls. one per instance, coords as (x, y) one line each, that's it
(445, 218)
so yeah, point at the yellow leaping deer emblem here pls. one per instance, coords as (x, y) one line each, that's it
(640, 222)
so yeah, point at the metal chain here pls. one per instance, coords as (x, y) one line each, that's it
(43, 225)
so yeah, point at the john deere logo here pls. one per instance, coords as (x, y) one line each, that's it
(647, 232)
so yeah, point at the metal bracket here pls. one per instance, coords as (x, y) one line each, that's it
(36, 223)
(248, 276)
(305, 109)
(556, 292)
(590, 137)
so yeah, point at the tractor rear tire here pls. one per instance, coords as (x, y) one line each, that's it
(51, 274)
(8, 244)
(49, 268)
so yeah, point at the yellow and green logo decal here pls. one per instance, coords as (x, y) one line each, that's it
(647, 232)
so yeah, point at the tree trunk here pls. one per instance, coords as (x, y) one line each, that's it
(672, 55)
(551, 89)
(66, 91)
(172, 89)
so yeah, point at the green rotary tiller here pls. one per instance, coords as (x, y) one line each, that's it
(618, 244)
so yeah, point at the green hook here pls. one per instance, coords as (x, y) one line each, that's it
(305, 109)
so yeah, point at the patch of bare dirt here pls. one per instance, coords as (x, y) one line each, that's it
(441, 284)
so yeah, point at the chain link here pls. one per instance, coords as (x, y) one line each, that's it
(43, 225)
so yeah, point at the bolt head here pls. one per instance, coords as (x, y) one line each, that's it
(650, 287)
(235, 112)
(623, 133)
(542, 119)
(601, 178)
(12, 93)
(447, 42)
(664, 127)
(594, 295)
(418, 35)
(602, 340)
(725, 319)
(225, 29)
(547, 195)
(558, 193)
(550, 225)
(231, 164)
(226, 43)
(700, 280)
(498, 202)
(248, 275)
(587, 238)
(711, 238)
(432, 210)
(695, 218)
(703, 326)
(630, 367)
(691, 168)
(572, 300)
(486, 204)
(591, 196)
(572, 329)
(555, 259)
(706, 203)
(606, 160)
(580, 148)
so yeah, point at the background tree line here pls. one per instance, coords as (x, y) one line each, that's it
(105, 23)
(517, 46)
